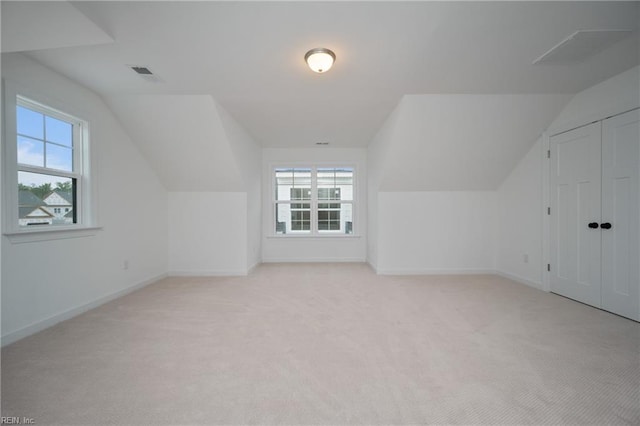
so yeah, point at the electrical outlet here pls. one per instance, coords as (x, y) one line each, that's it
(525, 258)
(125, 264)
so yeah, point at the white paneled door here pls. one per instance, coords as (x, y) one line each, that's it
(595, 214)
(621, 209)
(575, 210)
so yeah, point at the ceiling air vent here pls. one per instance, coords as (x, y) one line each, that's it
(142, 70)
(145, 73)
(581, 45)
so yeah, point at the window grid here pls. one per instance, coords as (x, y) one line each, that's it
(46, 142)
(64, 185)
(325, 212)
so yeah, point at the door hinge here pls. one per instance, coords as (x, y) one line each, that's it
(549, 211)
(548, 153)
(548, 267)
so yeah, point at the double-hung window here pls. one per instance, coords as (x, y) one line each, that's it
(48, 165)
(313, 200)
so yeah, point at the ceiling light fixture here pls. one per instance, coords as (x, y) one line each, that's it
(320, 59)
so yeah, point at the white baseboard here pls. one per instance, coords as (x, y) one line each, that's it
(252, 268)
(519, 279)
(315, 260)
(208, 273)
(512, 277)
(432, 271)
(14, 336)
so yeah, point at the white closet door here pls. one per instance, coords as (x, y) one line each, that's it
(620, 208)
(575, 204)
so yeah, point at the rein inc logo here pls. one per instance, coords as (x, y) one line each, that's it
(6, 420)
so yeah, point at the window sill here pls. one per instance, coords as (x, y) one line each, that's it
(36, 235)
(314, 237)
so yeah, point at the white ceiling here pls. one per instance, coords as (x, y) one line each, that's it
(162, 126)
(249, 56)
(37, 25)
(462, 142)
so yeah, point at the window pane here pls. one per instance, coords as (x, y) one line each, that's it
(45, 200)
(328, 217)
(335, 183)
(299, 206)
(59, 131)
(335, 218)
(329, 205)
(293, 218)
(30, 123)
(59, 157)
(293, 184)
(329, 193)
(300, 194)
(30, 151)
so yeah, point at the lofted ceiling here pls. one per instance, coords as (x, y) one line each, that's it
(248, 56)
(462, 142)
(163, 125)
(46, 25)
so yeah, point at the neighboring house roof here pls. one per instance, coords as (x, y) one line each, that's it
(65, 195)
(69, 214)
(31, 212)
(28, 198)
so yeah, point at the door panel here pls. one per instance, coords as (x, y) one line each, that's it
(575, 202)
(620, 207)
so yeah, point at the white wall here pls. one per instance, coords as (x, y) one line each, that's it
(212, 168)
(183, 138)
(248, 156)
(436, 232)
(215, 232)
(45, 282)
(435, 166)
(350, 248)
(522, 195)
(466, 231)
(207, 233)
(613, 96)
(519, 220)
(463, 142)
(377, 153)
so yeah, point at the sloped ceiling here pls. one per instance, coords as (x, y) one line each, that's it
(472, 101)
(462, 142)
(183, 139)
(249, 56)
(30, 25)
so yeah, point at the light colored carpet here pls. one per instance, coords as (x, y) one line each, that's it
(329, 344)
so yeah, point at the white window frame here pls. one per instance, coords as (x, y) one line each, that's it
(86, 218)
(314, 232)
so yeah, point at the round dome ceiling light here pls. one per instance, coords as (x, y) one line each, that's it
(320, 59)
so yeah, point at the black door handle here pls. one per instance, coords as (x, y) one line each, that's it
(605, 225)
(593, 225)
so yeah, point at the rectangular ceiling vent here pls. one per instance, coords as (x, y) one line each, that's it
(142, 70)
(145, 73)
(581, 45)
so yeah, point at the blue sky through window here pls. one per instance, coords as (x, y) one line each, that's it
(58, 131)
(43, 141)
(30, 123)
